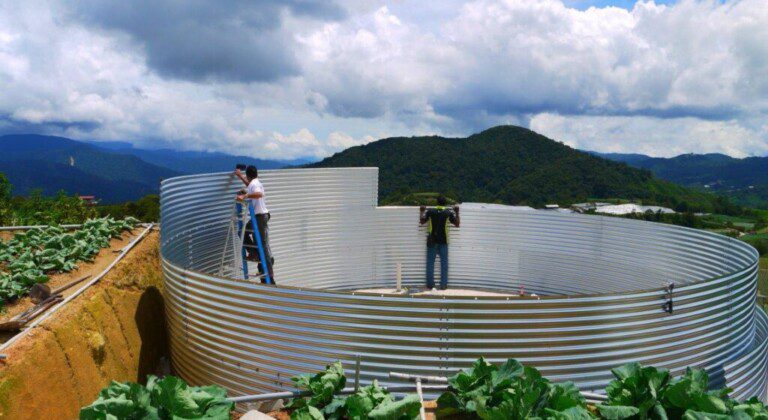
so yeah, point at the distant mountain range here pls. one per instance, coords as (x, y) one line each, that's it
(113, 172)
(745, 180)
(503, 164)
(191, 162)
(512, 165)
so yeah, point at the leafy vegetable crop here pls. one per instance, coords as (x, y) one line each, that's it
(509, 391)
(640, 392)
(30, 256)
(370, 402)
(166, 398)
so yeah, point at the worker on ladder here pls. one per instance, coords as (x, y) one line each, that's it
(437, 238)
(254, 192)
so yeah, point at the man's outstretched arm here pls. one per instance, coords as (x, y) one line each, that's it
(422, 215)
(241, 176)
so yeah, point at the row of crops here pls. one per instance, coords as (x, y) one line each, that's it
(485, 391)
(30, 257)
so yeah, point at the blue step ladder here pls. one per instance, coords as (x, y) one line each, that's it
(237, 233)
(262, 255)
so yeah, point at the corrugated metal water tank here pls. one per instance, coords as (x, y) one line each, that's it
(600, 281)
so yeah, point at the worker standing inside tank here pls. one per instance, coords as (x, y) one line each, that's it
(254, 192)
(437, 238)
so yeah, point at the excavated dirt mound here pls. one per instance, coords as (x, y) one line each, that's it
(114, 330)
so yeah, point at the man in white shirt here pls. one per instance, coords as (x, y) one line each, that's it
(254, 193)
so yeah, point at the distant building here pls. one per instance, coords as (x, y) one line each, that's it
(618, 209)
(557, 208)
(585, 207)
(621, 209)
(469, 206)
(90, 200)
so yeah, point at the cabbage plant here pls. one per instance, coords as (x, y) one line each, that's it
(509, 391)
(369, 402)
(31, 256)
(166, 398)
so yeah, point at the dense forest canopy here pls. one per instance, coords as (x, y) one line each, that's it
(512, 165)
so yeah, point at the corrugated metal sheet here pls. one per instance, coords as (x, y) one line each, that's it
(748, 375)
(600, 280)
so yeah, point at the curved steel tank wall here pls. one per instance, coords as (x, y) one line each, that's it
(600, 282)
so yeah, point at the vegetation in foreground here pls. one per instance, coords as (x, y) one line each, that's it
(486, 391)
(369, 402)
(509, 391)
(29, 257)
(513, 391)
(166, 398)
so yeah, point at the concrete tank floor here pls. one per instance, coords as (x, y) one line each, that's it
(426, 292)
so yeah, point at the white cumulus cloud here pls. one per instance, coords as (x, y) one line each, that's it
(295, 79)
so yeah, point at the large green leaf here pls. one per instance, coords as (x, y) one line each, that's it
(407, 408)
(307, 413)
(617, 412)
(173, 395)
(507, 372)
(573, 413)
(359, 405)
(564, 396)
(218, 411)
(698, 415)
(449, 404)
(506, 410)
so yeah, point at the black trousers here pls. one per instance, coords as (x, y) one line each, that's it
(249, 243)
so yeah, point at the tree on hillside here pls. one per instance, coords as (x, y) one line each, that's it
(5, 199)
(37, 209)
(146, 209)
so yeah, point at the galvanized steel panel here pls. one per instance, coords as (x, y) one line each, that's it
(600, 281)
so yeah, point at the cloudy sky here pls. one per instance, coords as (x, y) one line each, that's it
(307, 78)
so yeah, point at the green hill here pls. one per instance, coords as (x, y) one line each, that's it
(744, 180)
(513, 165)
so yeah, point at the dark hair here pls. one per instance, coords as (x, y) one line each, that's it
(251, 172)
(441, 201)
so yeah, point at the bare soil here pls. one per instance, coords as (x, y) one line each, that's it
(114, 330)
(105, 257)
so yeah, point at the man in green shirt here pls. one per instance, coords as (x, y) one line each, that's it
(437, 238)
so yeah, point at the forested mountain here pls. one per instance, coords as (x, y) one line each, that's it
(510, 164)
(50, 178)
(112, 171)
(746, 180)
(56, 163)
(192, 162)
(704, 169)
